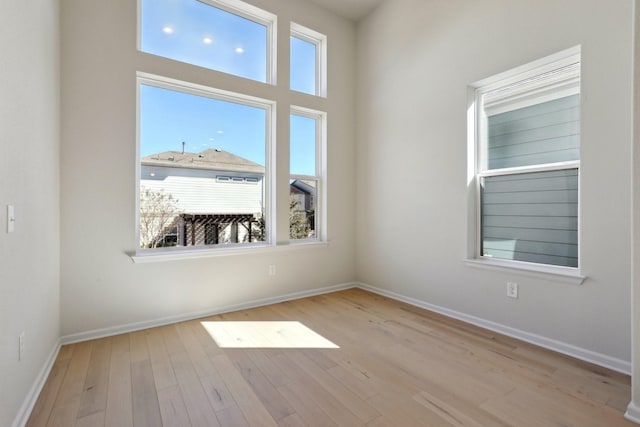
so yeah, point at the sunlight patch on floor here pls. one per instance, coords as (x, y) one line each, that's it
(265, 334)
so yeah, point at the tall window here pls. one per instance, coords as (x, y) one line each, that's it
(528, 163)
(308, 61)
(234, 38)
(206, 155)
(305, 183)
(203, 168)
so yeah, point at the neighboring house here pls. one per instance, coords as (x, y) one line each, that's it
(303, 194)
(219, 196)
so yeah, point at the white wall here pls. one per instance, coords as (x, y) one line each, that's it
(100, 286)
(416, 60)
(29, 179)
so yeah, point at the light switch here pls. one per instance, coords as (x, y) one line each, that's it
(11, 219)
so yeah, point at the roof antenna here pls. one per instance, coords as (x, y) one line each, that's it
(183, 144)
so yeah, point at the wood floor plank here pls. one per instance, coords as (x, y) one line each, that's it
(395, 365)
(94, 419)
(405, 412)
(232, 417)
(172, 408)
(381, 421)
(138, 346)
(73, 383)
(198, 355)
(457, 414)
(163, 373)
(250, 405)
(196, 402)
(64, 415)
(206, 341)
(293, 420)
(307, 409)
(44, 404)
(356, 384)
(146, 410)
(172, 339)
(217, 392)
(520, 408)
(66, 351)
(94, 395)
(277, 405)
(357, 406)
(274, 374)
(119, 410)
(339, 412)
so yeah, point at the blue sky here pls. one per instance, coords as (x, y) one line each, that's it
(302, 149)
(193, 32)
(168, 117)
(303, 66)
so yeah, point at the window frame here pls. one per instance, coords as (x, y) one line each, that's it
(269, 106)
(534, 83)
(243, 10)
(320, 167)
(320, 41)
(281, 104)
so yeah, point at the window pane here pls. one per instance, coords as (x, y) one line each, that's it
(531, 217)
(194, 32)
(303, 66)
(543, 133)
(302, 208)
(202, 168)
(303, 146)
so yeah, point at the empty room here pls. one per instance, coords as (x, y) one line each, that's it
(319, 213)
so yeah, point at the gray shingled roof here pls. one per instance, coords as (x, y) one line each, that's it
(211, 159)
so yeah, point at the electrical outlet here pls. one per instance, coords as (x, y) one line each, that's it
(272, 269)
(20, 346)
(512, 290)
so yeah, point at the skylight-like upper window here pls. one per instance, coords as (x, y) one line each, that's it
(210, 33)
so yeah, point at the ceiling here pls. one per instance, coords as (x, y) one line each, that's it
(352, 9)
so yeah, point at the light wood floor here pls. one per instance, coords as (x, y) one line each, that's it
(396, 365)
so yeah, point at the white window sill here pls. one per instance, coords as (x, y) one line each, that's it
(150, 255)
(547, 272)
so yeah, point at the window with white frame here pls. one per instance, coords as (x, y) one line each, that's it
(188, 136)
(308, 61)
(527, 163)
(206, 156)
(228, 36)
(306, 177)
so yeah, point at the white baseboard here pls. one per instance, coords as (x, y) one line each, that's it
(31, 398)
(146, 324)
(633, 413)
(609, 362)
(615, 364)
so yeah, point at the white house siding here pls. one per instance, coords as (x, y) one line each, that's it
(199, 191)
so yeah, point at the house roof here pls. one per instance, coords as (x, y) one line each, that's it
(304, 186)
(211, 159)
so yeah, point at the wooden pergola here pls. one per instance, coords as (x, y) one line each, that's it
(212, 223)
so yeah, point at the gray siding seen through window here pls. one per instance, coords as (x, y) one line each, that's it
(544, 133)
(531, 217)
